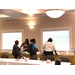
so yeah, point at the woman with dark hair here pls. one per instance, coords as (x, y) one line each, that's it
(49, 47)
(25, 45)
(35, 48)
(32, 49)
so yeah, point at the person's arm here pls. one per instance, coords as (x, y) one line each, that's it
(18, 51)
(21, 45)
(55, 50)
(35, 47)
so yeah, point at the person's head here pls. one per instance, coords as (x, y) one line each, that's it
(33, 40)
(27, 41)
(17, 42)
(50, 40)
(58, 62)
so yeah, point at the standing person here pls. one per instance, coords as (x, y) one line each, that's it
(25, 45)
(32, 49)
(49, 47)
(16, 50)
(35, 48)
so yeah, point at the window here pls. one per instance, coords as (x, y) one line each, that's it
(8, 39)
(61, 38)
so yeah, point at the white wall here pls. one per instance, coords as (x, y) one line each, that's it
(44, 22)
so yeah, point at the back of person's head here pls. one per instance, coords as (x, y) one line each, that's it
(58, 62)
(16, 42)
(32, 40)
(50, 40)
(27, 40)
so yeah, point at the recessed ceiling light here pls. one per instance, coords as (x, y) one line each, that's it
(30, 11)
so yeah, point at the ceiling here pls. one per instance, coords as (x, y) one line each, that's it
(7, 14)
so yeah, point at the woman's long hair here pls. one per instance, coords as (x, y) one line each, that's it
(27, 41)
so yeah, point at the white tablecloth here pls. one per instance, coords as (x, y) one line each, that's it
(30, 62)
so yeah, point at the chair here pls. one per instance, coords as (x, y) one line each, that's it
(5, 56)
(64, 59)
(58, 62)
(33, 57)
(50, 57)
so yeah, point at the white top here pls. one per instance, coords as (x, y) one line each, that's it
(49, 46)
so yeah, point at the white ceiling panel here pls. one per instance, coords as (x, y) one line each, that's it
(27, 13)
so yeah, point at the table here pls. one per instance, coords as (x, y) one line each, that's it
(71, 57)
(5, 61)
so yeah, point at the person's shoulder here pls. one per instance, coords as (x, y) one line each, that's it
(50, 43)
(14, 45)
(34, 45)
(45, 42)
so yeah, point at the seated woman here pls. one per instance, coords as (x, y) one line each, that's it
(25, 45)
(32, 49)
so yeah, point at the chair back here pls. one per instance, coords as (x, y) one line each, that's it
(5, 56)
(58, 62)
(50, 57)
(64, 59)
(33, 57)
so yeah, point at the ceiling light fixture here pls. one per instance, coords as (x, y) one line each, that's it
(30, 12)
(55, 13)
(31, 24)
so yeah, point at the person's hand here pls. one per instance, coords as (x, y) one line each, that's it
(19, 56)
(56, 54)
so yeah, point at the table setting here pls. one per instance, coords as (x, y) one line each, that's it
(27, 61)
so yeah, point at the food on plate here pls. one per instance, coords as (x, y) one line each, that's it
(48, 61)
(26, 59)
